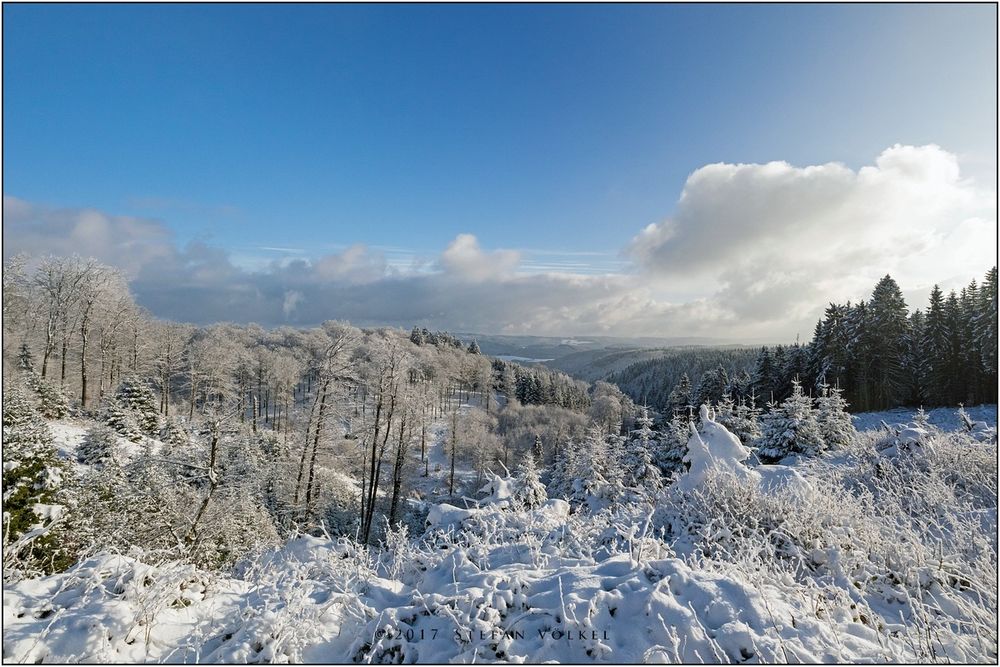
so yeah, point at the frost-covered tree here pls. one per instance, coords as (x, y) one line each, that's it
(742, 418)
(681, 396)
(416, 336)
(121, 420)
(640, 469)
(528, 490)
(99, 447)
(135, 396)
(25, 359)
(790, 428)
(670, 447)
(835, 425)
(174, 433)
(52, 403)
(595, 472)
(33, 478)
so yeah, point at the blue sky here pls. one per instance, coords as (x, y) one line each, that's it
(561, 131)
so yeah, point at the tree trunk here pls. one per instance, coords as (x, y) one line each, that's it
(454, 447)
(62, 361)
(305, 453)
(213, 482)
(315, 450)
(397, 472)
(83, 366)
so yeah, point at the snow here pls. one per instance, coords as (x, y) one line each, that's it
(553, 584)
(946, 419)
(67, 434)
(714, 448)
(311, 601)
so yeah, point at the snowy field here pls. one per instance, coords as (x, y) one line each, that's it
(943, 418)
(820, 562)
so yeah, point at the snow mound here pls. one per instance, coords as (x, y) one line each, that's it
(714, 447)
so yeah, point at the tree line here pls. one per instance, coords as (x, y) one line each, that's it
(877, 352)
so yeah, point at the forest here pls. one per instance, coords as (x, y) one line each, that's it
(877, 352)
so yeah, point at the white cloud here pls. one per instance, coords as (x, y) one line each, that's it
(751, 252)
(773, 239)
(464, 258)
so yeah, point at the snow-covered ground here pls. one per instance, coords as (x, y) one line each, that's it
(308, 603)
(946, 419)
(699, 576)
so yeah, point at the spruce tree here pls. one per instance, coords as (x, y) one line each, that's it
(529, 492)
(889, 321)
(681, 396)
(790, 428)
(135, 396)
(835, 425)
(763, 375)
(640, 469)
(121, 420)
(99, 447)
(934, 350)
(52, 403)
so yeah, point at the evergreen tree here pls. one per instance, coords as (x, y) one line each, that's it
(681, 397)
(985, 332)
(25, 359)
(528, 492)
(835, 425)
(640, 470)
(52, 403)
(122, 421)
(712, 386)
(99, 447)
(136, 397)
(474, 348)
(954, 366)
(913, 361)
(921, 419)
(416, 337)
(174, 433)
(763, 376)
(934, 351)
(790, 428)
(796, 368)
(669, 449)
(741, 419)
(889, 320)
(33, 481)
(860, 377)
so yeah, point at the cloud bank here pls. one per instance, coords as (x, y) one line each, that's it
(752, 251)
